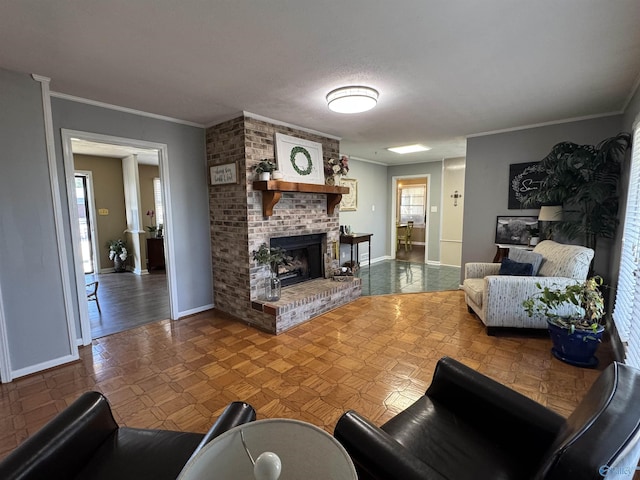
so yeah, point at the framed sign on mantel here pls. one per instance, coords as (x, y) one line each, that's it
(299, 160)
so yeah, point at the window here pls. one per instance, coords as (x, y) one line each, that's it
(412, 200)
(157, 198)
(628, 293)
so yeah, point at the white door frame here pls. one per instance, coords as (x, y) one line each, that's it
(163, 164)
(394, 209)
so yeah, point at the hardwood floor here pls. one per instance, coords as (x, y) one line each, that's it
(128, 301)
(375, 355)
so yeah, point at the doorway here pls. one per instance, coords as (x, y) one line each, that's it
(133, 224)
(409, 213)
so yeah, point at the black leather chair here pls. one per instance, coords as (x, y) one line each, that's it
(85, 442)
(468, 426)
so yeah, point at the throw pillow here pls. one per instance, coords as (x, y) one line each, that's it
(509, 267)
(525, 256)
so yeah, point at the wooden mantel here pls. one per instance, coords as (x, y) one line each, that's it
(272, 192)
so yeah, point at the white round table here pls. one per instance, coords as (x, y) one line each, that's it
(305, 451)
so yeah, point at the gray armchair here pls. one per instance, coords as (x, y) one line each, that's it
(497, 299)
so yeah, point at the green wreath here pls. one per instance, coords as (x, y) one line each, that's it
(305, 152)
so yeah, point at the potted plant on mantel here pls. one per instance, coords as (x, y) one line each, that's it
(264, 169)
(574, 314)
(273, 257)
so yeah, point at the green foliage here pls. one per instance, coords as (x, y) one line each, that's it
(586, 296)
(265, 165)
(272, 256)
(584, 180)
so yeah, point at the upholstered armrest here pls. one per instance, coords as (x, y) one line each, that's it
(236, 413)
(503, 296)
(492, 407)
(64, 445)
(377, 455)
(480, 270)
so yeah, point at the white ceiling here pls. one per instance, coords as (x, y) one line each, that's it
(445, 69)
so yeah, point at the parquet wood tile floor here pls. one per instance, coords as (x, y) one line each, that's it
(375, 355)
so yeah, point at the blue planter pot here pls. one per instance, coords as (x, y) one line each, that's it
(577, 348)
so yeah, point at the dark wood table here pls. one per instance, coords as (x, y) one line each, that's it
(356, 239)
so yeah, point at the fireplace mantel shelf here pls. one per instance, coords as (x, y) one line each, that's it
(272, 192)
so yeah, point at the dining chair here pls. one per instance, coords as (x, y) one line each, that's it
(92, 293)
(406, 236)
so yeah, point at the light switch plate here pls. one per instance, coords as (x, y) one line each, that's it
(103, 211)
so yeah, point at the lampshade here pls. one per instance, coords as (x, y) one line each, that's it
(352, 99)
(550, 213)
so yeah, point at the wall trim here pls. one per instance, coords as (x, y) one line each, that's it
(5, 360)
(366, 160)
(57, 216)
(193, 311)
(45, 365)
(545, 124)
(285, 124)
(163, 164)
(394, 231)
(118, 108)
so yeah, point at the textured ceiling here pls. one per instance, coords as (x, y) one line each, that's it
(444, 69)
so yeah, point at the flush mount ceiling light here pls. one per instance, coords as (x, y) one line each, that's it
(409, 149)
(352, 99)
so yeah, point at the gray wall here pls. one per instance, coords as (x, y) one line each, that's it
(434, 169)
(372, 182)
(188, 176)
(30, 276)
(487, 179)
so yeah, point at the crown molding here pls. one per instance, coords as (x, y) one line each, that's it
(544, 124)
(290, 125)
(118, 108)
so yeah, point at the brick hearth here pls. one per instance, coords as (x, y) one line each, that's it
(238, 227)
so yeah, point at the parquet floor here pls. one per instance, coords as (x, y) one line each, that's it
(375, 355)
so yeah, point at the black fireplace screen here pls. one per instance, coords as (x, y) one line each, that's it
(305, 258)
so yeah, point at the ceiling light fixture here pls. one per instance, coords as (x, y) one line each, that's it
(409, 149)
(352, 99)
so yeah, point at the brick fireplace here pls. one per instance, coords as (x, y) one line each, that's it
(238, 227)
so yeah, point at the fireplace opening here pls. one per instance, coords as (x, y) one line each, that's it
(305, 258)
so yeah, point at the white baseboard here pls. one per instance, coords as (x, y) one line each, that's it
(193, 311)
(43, 366)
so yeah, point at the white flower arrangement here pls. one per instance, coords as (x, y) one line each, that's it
(117, 248)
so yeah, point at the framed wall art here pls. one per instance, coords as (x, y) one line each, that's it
(524, 178)
(514, 230)
(223, 174)
(349, 202)
(299, 160)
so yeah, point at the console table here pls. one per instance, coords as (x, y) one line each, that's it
(356, 239)
(155, 253)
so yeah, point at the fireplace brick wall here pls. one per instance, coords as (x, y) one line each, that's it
(237, 223)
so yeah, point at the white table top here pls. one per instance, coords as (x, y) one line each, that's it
(306, 452)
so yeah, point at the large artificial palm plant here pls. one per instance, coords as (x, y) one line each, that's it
(584, 180)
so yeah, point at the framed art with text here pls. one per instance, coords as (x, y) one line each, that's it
(299, 160)
(524, 178)
(223, 174)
